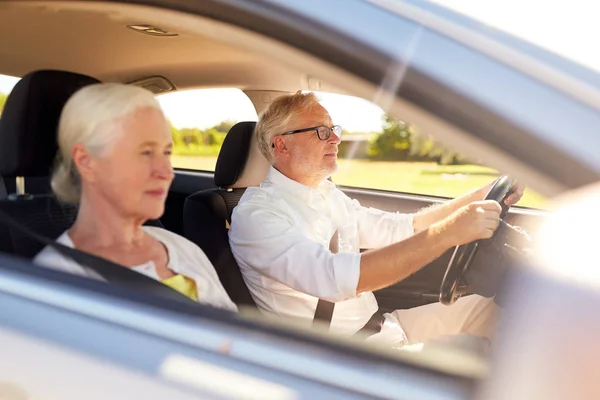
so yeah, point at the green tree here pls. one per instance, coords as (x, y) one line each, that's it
(400, 141)
(393, 143)
(425, 147)
(191, 136)
(224, 126)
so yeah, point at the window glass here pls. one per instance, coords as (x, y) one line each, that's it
(6, 85)
(200, 119)
(382, 152)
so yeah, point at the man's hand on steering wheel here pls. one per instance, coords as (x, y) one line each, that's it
(504, 192)
(514, 196)
(474, 221)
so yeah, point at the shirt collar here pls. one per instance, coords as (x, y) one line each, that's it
(279, 179)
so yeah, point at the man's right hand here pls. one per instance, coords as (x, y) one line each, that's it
(474, 221)
(387, 265)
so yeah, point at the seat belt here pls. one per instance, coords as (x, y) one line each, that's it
(324, 310)
(111, 271)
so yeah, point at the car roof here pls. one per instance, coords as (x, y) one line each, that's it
(480, 94)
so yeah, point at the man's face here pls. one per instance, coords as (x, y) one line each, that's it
(306, 155)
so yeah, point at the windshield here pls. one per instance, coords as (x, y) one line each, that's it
(568, 29)
(559, 34)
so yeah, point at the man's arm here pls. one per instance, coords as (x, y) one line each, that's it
(384, 267)
(427, 216)
(424, 218)
(272, 245)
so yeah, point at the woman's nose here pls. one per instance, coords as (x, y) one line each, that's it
(164, 170)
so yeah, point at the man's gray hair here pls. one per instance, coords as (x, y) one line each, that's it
(277, 117)
(85, 113)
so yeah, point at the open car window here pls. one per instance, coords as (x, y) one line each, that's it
(200, 119)
(380, 151)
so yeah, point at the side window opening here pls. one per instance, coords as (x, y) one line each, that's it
(379, 151)
(200, 119)
(6, 84)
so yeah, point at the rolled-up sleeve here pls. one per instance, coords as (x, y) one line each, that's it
(379, 228)
(270, 243)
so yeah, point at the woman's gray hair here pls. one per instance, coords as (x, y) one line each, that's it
(277, 117)
(81, 119)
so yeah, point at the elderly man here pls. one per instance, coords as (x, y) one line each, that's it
(282, 231)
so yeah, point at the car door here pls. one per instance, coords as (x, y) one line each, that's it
(68, 337)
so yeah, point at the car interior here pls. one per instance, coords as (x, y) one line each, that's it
(86, 43)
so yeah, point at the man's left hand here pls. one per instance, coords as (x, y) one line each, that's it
(510, 200)
(515, 197)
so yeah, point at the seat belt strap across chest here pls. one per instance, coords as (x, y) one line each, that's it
(324, 310)
(110, 271)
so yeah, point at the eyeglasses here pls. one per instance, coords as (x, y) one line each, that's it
(323, 132)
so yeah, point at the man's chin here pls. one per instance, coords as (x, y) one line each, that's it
(334, 167)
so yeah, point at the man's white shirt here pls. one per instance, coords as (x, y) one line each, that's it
(280, 234)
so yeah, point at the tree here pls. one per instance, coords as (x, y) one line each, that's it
(400, 141)
(224, 126)
(425, 147)
(393, 143)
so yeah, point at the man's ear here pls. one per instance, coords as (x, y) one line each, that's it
(280, 146)
(84, 162)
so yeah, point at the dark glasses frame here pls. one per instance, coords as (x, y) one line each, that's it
(323, 132)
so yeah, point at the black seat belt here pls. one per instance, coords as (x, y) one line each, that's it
(112, 272)
(324, 310)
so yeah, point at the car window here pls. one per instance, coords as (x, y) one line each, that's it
(6, 84)
(379, 151)
(200, 119)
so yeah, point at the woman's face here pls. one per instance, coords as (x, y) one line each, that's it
(134, 174)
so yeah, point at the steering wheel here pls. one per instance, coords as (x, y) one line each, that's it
(452, 287)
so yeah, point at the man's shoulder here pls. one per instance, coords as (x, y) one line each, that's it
(259, 196)
(258, 202)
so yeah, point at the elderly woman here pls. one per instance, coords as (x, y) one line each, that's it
(114, 161)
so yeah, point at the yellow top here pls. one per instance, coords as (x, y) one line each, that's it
(183, 284)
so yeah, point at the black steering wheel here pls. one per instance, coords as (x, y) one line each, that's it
(452, 287)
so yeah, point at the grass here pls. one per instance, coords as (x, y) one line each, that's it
(408, 177)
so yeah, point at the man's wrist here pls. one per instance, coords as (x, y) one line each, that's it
(441, 233)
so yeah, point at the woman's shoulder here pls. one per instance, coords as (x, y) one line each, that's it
(49, 257)
(49, 254)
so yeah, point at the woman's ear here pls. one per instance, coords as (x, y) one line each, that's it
(84, 162)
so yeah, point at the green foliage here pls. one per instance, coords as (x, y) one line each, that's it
(394, 143)
(197, 142)
(224, 126)
(2, 101)
(400, 141)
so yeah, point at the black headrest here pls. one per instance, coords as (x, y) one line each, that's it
(233, 154)
(3, 192)
(29, 122)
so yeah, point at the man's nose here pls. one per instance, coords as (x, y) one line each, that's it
(333, 138)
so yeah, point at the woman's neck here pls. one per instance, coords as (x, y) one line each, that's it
(100, 225)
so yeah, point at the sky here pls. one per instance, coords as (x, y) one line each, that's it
(568, 28)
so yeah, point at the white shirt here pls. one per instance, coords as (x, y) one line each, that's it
(185, 258)
(280, 234)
